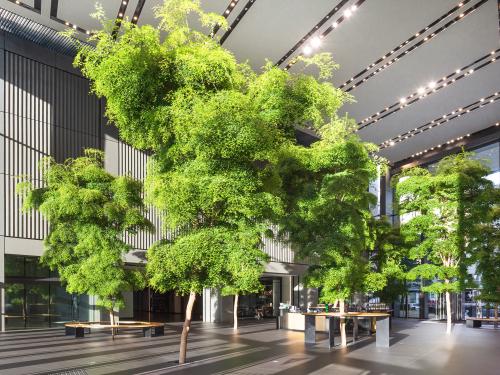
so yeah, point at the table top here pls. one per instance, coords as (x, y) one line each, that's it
(350, 314)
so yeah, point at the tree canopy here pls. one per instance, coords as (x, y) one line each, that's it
(89, 211)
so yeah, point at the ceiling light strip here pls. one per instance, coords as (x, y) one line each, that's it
(441, 120)
(431, 88)
(235, 23)
(420, 36)
(449, 142)
(37, 5)
(137, 11)
(119, 17)
(230, 7)
(311, 32)
(309, 48)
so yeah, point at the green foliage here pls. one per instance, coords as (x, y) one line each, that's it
(327, 198)
(443, 209)
(218, 133)
(89, 210)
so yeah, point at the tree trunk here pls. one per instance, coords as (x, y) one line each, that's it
(185, 328)
(448, 313)
(235, 312)
(343, 336)
(112, 322)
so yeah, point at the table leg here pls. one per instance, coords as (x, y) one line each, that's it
(382, 333)
(355, 329)
(310, 329)
(331, 331)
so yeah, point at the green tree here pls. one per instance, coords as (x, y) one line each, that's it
(89, 211)
(486, 249)
(328, 212)
(215, 130)
(386, 253)
(439, 211)
(245, 265)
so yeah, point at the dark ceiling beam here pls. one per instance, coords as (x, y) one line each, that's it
(138, 11)
(235, 23)
(37, 5)
(230, 7)
(119, 17)
(311, 32)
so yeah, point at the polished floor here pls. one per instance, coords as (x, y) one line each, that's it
(416, 348)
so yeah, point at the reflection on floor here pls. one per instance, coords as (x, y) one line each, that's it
(416, 348)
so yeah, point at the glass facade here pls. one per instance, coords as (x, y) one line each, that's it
(416, 304)
(34, 297)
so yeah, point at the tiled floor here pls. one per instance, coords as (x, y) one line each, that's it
(416, 348)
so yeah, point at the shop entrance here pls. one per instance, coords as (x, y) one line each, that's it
(164, 307)
(264, 304)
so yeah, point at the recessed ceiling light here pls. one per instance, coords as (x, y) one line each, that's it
(402, 100)
(421, 90)
(432, 84)
(316, 41)
(348, 13)
(307, 50)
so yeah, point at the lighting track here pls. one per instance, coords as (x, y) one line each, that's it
(138, 11)
(441, 120)
(449, 142)
(309, 49)
(230, 7)
(119, 18)
(311, 32)
(349, 85)
(37, 5)
(235, 23)
(431, 88)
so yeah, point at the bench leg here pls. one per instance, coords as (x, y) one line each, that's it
(75, 331)
(153, 331)
(382, 333)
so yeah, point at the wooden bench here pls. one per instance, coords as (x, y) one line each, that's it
(473, 322)
(149, 329)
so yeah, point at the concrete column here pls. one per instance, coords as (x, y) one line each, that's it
(217, 308)
(286, 288)
(128, 310)
(276, 297)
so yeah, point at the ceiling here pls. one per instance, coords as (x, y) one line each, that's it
(417, 69)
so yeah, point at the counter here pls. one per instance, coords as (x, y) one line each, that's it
(296, 322)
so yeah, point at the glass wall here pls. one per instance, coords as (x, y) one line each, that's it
(34, 297)
(416, 304)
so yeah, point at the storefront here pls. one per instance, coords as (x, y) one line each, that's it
(34, 297)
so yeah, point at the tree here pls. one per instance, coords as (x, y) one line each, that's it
(439, 210)
(328, 211)
(386, 253)
(215, 130)
(89, 211)
(245, 265)
(486, 248)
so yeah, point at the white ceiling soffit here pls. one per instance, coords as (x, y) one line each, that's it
(367, 32)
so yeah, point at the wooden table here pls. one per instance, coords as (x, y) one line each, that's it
(382, 330)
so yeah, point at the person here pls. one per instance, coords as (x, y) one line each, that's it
(259, 313)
